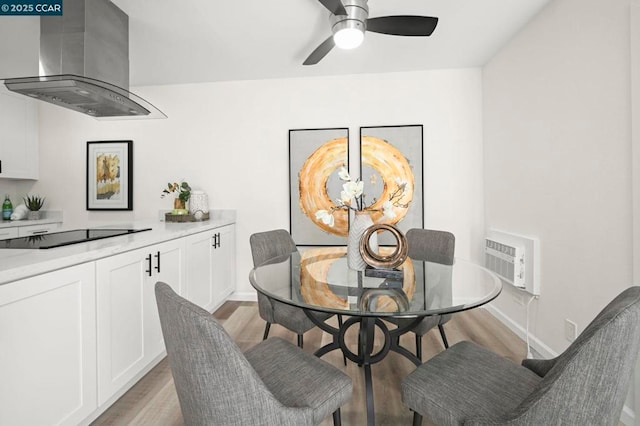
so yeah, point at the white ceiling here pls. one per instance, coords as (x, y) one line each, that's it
(189, 41)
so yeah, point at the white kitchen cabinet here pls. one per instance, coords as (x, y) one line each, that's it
(210, 267)
(199, 282)
(27, 231)
(129, 334)
(48, 348)
(224, 263)
(18, 136)
(6, 233)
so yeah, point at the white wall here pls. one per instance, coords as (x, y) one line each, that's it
(557, 140)
(231, 140)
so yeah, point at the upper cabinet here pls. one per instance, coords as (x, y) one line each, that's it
(18, 136)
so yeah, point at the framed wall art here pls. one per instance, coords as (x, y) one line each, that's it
(315, 157)
(110, 175)
(391, 168)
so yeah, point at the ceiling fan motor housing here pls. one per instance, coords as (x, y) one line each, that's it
(356, 18)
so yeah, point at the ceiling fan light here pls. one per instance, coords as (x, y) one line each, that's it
(348, 38)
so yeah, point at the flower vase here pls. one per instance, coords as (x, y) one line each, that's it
(179, 207)
(361, 222)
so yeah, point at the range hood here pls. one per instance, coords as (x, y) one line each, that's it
(84, 63)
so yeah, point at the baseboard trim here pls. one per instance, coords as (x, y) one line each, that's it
(627, 417)
(249, 296)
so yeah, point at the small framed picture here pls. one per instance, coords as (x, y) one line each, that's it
(110, 175)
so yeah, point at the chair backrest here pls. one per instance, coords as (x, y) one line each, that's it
(270, 244)
(214, 381)
(431, 245)
(588, 382)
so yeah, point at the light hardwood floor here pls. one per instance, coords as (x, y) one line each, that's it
(153, 400)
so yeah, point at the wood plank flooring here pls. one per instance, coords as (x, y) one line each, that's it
(153, 400)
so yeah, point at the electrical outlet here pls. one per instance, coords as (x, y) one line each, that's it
(570, 330)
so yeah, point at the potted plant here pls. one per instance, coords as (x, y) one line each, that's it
(184, 193)
(34, 203)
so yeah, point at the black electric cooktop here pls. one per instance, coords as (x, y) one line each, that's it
(65, 238)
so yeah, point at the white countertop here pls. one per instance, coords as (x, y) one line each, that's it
(49, 216)
(16, 264)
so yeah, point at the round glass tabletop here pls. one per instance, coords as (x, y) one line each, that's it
(319, 279)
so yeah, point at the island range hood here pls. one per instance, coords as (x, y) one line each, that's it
(84, 63)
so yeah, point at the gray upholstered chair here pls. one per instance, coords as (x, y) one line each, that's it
(433, 246)
(268, 245)
(273, 383)
(586, 384)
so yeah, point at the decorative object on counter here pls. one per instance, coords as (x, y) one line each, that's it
(7, 208)
(34, 203)
(199, 204)
(180, 202)
(110, 175)
(20, 212)
(170, 217)
(369, 252)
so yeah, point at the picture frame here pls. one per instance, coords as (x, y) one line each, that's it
(109, 175)
(394, 152)
(315, 156)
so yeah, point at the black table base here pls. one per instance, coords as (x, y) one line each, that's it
(365, 356)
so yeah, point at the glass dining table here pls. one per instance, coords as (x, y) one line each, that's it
(319, 280)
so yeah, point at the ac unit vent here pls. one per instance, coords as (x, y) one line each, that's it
(506, 261)
(515, 259)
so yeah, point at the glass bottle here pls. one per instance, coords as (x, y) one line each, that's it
(7, 208)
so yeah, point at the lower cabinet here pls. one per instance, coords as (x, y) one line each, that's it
(211, 270)
(129, 333)
(48, 348)
(74, 340)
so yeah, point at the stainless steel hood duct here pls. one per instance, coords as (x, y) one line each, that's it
(84, 63)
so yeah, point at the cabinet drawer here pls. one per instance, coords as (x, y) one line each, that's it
(6, 233)
(25, 231)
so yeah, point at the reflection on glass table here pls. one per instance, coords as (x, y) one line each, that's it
(319, 280)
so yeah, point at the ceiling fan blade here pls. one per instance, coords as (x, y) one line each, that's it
(335, 6)
(403, 25)
(320, 52)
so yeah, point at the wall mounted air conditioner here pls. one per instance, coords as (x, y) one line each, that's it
(515, 259)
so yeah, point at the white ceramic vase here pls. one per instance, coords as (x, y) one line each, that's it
(198, 204)
(361, 222)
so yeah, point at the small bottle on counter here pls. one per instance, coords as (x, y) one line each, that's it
(7, 208)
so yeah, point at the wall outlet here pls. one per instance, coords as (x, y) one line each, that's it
(570, 330)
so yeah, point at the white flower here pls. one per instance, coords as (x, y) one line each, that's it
(388, 211)
(325, 217)
(353, 189)
(344, 174)
(345, 198)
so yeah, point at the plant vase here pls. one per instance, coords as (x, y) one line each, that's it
(179, 206)
(33, 215)
(361, 222)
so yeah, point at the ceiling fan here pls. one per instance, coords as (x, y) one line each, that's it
(350, 19)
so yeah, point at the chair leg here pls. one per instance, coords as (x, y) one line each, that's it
(344, 358)
(300, 341)
(444, 336)
(266, 331)
(337, 421)
(419, 347)
(417, 419)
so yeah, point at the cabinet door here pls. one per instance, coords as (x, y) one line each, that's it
(48, 348)
(168, 266)
(198, 282)
(224, 263)
(18, 136)
(129, 333)
(26, 231)
(121, 281)
(6, 233)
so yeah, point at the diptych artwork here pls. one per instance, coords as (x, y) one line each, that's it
(324, 192)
